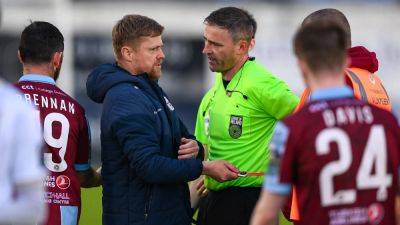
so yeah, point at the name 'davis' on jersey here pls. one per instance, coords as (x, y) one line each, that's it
(49, 102)
(347, 115)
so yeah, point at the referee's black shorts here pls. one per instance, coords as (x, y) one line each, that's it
(231, 206)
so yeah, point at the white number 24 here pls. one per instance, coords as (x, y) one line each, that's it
(60, 142)
(375, 154)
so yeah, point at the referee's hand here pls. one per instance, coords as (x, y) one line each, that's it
(220, 170)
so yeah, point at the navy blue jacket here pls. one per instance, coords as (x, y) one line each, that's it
(143, 181)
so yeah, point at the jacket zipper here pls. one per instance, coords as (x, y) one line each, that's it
(147, 206)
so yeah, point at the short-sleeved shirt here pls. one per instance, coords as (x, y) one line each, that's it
(236, 122)
(21, 141)
(66, 135)
(342, 154)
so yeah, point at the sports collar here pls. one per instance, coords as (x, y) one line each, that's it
(331, 93)
(38, 78)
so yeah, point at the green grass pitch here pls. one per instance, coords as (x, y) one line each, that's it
(91, 207)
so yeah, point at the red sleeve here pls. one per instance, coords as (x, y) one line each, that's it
(82, 161)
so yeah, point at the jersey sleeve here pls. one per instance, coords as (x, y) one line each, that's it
(279, 175)
(27, 139)
(275, 97)
(82, 161)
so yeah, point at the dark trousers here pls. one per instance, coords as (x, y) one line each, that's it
(231, 206)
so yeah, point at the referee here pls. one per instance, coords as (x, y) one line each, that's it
(237, 116)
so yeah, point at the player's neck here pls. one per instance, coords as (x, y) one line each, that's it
(38, 69)
(228, 75)
(326, 80)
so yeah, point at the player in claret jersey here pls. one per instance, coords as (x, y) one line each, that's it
(341, 153)
(65, 128)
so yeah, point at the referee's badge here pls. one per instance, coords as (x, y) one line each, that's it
(235, 126)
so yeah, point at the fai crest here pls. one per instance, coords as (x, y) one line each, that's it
(235, 126)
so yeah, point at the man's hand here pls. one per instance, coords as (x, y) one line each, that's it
(201, 189)
(188, 149)
(194, 193)
(220, 170)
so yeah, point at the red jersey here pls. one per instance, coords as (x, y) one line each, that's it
(367, 86)
(343, 157)
(66, 134)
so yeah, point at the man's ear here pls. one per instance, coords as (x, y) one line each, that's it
(242, 47)
(57, 59)
(127, 53)
(252, 44)
(19, 57)
(246, 46)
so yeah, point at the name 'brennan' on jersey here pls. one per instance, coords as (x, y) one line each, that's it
(343, 157)
(41, 98)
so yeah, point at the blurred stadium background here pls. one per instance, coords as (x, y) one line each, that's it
(87, 25)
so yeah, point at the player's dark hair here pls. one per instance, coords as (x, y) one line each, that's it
(321, 45)
(239, 22)
(39, 41)
(130, 28)
(332, 15)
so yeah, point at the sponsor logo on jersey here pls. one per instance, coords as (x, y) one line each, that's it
(375, 213)
(57, 198)
(50, 181)
(63, 182)
(27, 87)
(235, 126)
(372, 214)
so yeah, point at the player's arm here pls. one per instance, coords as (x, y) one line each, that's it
(28, 205)
(268, 208)
(272, 198)
(276, 184)
(88, 177)
(27, 172)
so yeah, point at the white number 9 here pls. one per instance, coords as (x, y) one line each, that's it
(60, 143)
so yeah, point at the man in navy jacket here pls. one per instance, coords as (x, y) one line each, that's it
(148, 156)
